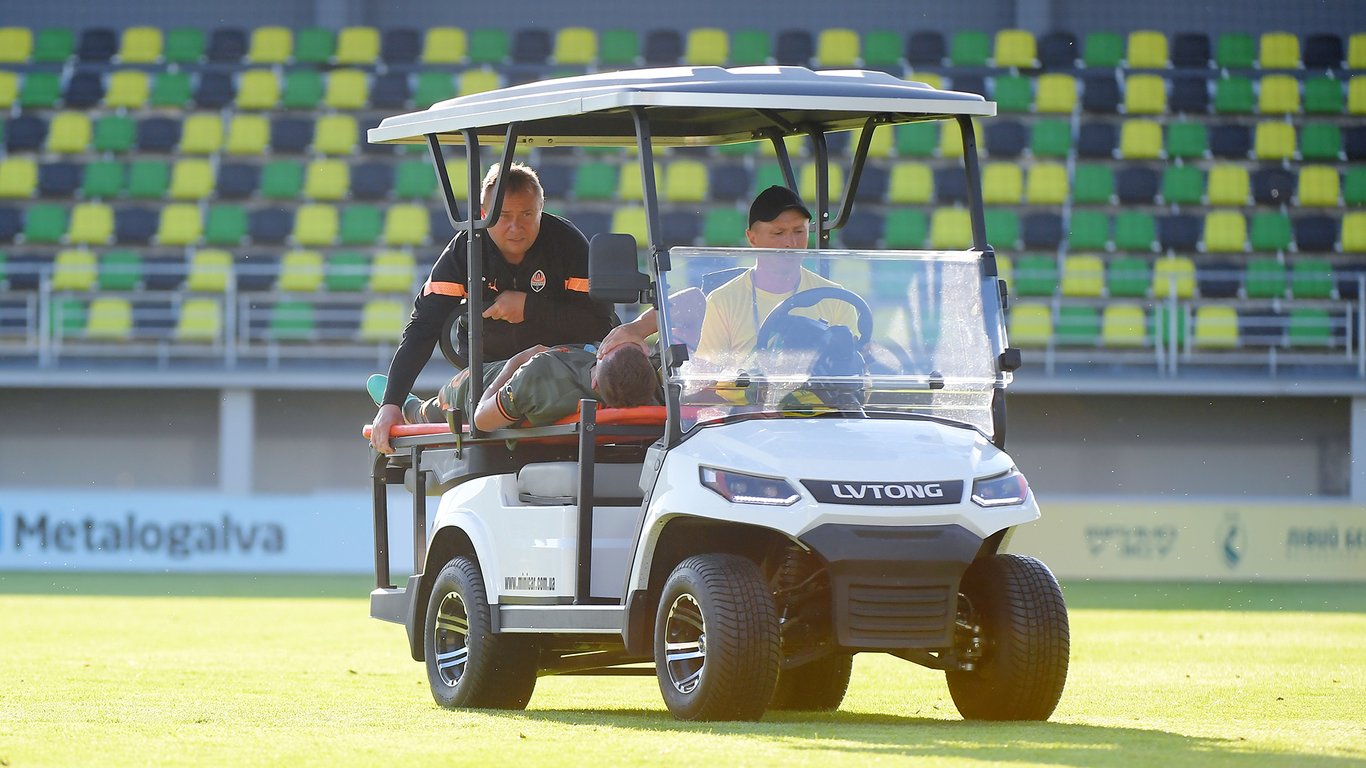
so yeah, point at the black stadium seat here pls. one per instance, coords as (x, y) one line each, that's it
(1189, 95)
(1353, 141)
(97, 44)
(728, 182)
(11, 223)
(970, 84)
(862, 231)
(872, 187)
(237, 181)
(291, 134)
(1006, 138)
(1190, 50)
(84, 90)
(1136, 184)
(25, 133)
(1315, 233)
(557, 179)
(400, 45)
(390, 91)
(1100, 94)
(1219, 278)
(227, 45)
(1179, 232)
(950, 185)
(1058, 50)
(158, 134)
(1230, 140)
(215, 90)
(1042, 230)
(135, 225)
(58, 179)
(1097, 140)
(530, 45)
(1273, 185)
(372, 181)
(680, 227)
(269, 225)
(1322, 51)
(663, 47)
(794, 47)
(925, 47)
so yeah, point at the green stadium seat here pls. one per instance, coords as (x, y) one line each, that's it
(149, 179)
(433, 87)
(170, 89)
(1265, 279)
(40, 90)
(1088, 230)
(281, 180)
(1270, 232)
(1163, 321)
(303, 89)
(1187, 140)
(114, 133)
(725, 227)
(292, 321)
(489, 46)
(1323, 96)
(1036, 275)
(120, 270)
(1031, 325)
(1309, 327)
(346, 271)
(917, 139)
(1094, 184)
(415, 180)
(1233, 96)
(1354, 185)
(904, 228)
(882, 49)
(1103, 50)
(1234, 50)
(53, 45)
(1003, 228)
(1051, 138)
(225, 225)
(1311, 278)
(1135, 231)
(445, 45)
(314, 45)
(103, 180)
(1078, 326)
(595, 181)
(1128, 277)
(1182, 185)
(1123, 325)
(184, 45)
(969, 48)
(621, 47)
(361, 225)
(16, 45)
(1013, 93)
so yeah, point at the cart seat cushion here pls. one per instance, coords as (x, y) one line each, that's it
(557, 483)
(641, 415)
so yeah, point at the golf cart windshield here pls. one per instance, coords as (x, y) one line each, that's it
(864, 334)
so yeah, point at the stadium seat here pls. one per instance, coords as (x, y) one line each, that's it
(1058, 50)
(73, 269)
(25, 133)
(1035, 275)
(723, 227)
(258, 89)
(103, 179)
(392, 272)
(303, 89)
(1225, 232)
(910, 183)
(1228, 185)
(1320, 233)
(55, 179)
(335, 135)
(184, 45)
(128, 89)
(1078, 326)
(1145, 95)
(1322, 51)
(292, 321)
(170, 89)
(1216, 327)
(119, 270)
(1189, 95)
(1046, 184)
(316, 224)
(916, 139)
(950, 229)
(1015, 48)
(1123, 325)
(202, 134)
(1128, 277)
(1319, 186)
(391, 91)
(9, 89)
(91, 224)
(1002, 184)
(1179, 232)
(1274, 141)
(227, 45)
(214, 91)
(1140, 139)
(950, 185)
(1004, 138)
(1136, 185)
(433, 87)
(925, 47)
(180, 224)
(109, 318)
(1220, 279)
(1187, 140)
(1147, 49)
(489, 46)
(1135, 231)
(835, 47)
(84, 90)
(1309, 326)
(1191, 49)
(199, 320)
(382, 320)
(1323, 96)
(16, 45)
(11, 223)
(1235, 50)
(1279, 50)
(685, 182)
(158, 134)
(247, 135)
(1031, 325)
(18, 177)
(70, 133)
(1311, 278)
(445, 45)
(621, 47)
(270, 45)
(1233, 95)
(327, 179)
(575, 46)
(281, 180)
(1041, 230)
(301, 271)
(1083, 275)
(361, 225)
(191, 179)
(399, 45)
(210, 271)
(97, 44)
(1102, 50)
(1278, 95)
(969, 48)
(40, 90)
(1088, 230)
(357, 46)
(882, 50)
(347, 271)
(1097, 139)
(1057, 94)
(225, 225)
(1003, 228)
(1354, 186)
(1265, 279)
(45, 223)
(1012, 93)
(1230, 140)
(406, 225)
(347, 89)
(1182, 185)
(269, 225)
(1270, 231)
(1173, 274)
(1321, 141)
(1356, 95)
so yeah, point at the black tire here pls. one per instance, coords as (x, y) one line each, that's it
(717, 647)
(1023, 667)
(816, 687)
(467, 664)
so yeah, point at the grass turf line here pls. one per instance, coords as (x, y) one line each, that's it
(190, 679)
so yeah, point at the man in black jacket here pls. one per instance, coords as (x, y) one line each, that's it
(535, 291)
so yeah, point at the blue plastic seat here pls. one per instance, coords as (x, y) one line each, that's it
(372, 181)
(663, 47)
(25, 133)
(97, 44)
(269, 225)
(158, 134)
(291, 135)
(238, 180)
(84, 90)
(1097, 140)
(58, 179)
(227, 45)
(135, 225)
(400, 45)
(390, 91)
(215, 90)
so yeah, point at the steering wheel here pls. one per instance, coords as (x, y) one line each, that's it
(447, 339)
(809, 298)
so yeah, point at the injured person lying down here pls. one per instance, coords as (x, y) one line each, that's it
(541, 385)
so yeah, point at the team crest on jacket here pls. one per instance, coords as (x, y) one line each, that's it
(538, 281)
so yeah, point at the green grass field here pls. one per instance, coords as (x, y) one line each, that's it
(244, 671)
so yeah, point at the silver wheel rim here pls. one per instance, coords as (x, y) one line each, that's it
(448, 639)
(685, 643)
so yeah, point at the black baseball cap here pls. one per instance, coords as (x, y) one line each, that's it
(773, 201)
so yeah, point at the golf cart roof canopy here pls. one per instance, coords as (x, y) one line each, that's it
(687, 106)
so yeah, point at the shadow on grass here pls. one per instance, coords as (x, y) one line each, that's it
(881, 735)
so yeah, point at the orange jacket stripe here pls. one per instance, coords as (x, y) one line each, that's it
(498, 401)
(445, 289)
(579, 284)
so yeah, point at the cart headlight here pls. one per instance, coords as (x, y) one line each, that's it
(748, 489)
(1001, 490)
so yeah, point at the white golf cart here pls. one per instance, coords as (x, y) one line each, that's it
(840, 488)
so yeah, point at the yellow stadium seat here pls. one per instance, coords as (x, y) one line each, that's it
(259, 89)
(74, 270)
(9, 89)
(382, 320)
(406, 224)
(1279, 50)
(248, 135)
(445, 45)
(70, 133)
(180, 225)
(1319, 186)
(837, 47)
(806, 182)
(575, 46)
(200, 320)
(1147, 50)
(270, 45)
(883, 141)
(1356, 51)
(140, 45)
(347, 89)
(1356, 96)
(91, 224)
(191, 179)
(630, 221)
(707, 46)
(1145, 95)
(1354, 232)
(1047, 184)
(910, 183)
(1005, 268)
(1057, 94)
(335, 135)
(301, 271)
(854, 275)
(1016, 48)
(16, 45)
(950, 229)
(686, 182)
(932, 79)
(1216, 327)
(1274, 141)
(1174, 273)
(203, 134)
(629, 183)
(327, 179)
(1083, 275)
(109, 318)
(316, 224)
(1140, 139)
(392, 272)
(128, 89)
(478, 81)
(358, 45)
(1279, 95)
(1225, 231)
(210, 271)
(18, 177)
(951, 138)
(1031, 325)
(1228, 185)
(1002, 184)
(1122, 325)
